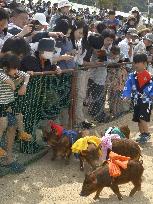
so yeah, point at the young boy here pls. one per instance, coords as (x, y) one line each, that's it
(9, 65)
(139, 87)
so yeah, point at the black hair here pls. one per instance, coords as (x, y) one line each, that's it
(138, 16)
(85, 37)
(100, 27)
(76, 25)
(3, 14)
(108, 34)
(17, 46)
(17, 11)
(140, 58)
(95, 41)
(62, 26)
(115, 50)
(111, 12)
(9, 61)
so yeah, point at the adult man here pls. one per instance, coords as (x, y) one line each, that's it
(63, 10)
(141, 47)
(19, 19)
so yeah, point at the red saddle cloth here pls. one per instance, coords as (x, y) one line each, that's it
(59, 129)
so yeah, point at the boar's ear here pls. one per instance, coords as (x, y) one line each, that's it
(93, 178)
(84, 152)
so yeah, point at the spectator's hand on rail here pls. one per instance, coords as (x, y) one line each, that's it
(67, 57)
(56, 34)
(22, 90)
(58, 70)
(30, 72)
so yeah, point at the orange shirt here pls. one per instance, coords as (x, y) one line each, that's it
(143, 78)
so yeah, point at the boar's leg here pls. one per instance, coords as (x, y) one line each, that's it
(98, 193)
(137, 187)
(54, 154)
(81, 163)
(115, 189)
(67, 158)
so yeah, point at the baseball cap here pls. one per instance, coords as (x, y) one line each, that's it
(132, 31)
(149, 36)
(135, 9)
(64, 3)
(41, 18)
(46, 44)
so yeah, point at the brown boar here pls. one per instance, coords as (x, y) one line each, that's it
(125, 147)
(100, 178)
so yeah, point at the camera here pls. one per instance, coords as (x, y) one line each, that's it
(34, 24)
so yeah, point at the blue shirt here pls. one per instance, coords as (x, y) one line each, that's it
(66, 47)
(132, 90)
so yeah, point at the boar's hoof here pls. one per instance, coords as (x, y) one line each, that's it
(120, 197)
(96, 198)
(81, 168)
(67, 162)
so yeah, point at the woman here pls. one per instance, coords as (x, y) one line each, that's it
(64, 46)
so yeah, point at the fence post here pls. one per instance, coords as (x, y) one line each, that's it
(72, 111)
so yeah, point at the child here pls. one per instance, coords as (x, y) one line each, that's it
(9, 65)
(115, 86)
(139, 87)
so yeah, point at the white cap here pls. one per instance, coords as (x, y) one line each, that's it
(135, 9)
(41, 18)
(64, 3)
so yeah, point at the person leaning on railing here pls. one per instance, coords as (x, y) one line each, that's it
(42, 59)
(9, 65)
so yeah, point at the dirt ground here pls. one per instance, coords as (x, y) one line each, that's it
(47, 182)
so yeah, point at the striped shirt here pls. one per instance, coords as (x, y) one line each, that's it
(6, 92)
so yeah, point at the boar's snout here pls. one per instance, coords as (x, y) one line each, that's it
(82, 194)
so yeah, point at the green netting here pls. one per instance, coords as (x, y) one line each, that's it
(56, 95)
(45, 98)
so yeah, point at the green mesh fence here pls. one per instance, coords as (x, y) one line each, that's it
(45, 98)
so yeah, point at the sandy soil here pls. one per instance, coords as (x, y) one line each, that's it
(46, 182)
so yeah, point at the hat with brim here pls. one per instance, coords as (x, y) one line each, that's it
(141, 27)
(144, 30)
(63, 4)
(132, 32)
(46, 44)
(148, 36)
(135, 9)
(41, 18)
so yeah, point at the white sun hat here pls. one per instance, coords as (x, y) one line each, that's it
(135, 9)
(41, 18)
(64, 3)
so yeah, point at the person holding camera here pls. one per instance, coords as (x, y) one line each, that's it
(4, 19)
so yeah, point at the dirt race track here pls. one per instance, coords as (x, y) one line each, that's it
(46, 182)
